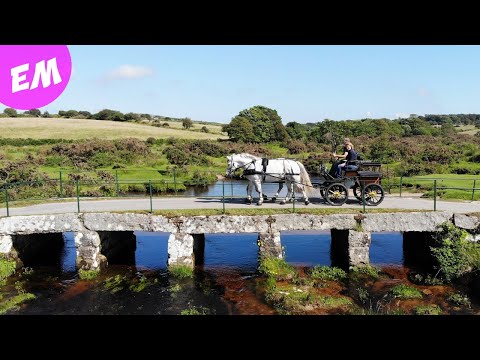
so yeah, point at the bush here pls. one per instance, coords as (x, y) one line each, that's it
(296, 146)
(151, 141)
(449, 251)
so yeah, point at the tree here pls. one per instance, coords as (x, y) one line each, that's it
(132, 116)
(46, 114)
(240, 129)
(10, 112)
(187, 123)
(265, 125)
(86, 114)
(71, 114)
(34, 112)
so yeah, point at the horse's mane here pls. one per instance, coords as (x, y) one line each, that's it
(249, 156)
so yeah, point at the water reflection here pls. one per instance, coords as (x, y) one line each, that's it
(386, 248)
(238, 251)
(307, 248)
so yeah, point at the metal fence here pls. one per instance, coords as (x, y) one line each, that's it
(172, 185)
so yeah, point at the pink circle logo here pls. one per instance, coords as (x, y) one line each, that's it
(32, 76)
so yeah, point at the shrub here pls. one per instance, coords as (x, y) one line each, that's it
(449, 251)
(328, 273)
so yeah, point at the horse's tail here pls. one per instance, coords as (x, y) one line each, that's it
(304, 180)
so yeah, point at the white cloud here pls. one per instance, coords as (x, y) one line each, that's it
(129, 72)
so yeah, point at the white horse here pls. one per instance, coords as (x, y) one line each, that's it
(287, 171)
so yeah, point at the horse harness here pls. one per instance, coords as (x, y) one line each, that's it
(264, 170)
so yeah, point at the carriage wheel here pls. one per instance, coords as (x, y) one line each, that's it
(374, 194)
(336, 194)
(357, 191)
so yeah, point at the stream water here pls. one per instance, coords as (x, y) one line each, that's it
(227, 283)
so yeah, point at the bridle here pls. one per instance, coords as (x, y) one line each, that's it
(234, 168)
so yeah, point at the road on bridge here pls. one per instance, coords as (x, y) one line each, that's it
(171, 203)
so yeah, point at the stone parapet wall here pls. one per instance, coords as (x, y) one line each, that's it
(409, 221)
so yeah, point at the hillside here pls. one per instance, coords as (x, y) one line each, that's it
(50, 128)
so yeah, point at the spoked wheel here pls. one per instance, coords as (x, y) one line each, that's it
(336, 194)
(357, 191)
(374, 195)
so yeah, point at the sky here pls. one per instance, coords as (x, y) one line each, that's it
(303, 83)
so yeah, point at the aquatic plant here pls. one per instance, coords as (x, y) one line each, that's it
(88, 274)
(277, 268)
(403, 291)
(428, 310)
(328, 273)
(7, 267)
(180, 271)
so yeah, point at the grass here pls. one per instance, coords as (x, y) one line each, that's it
(88, 274)
(403, 291)
(428, 310)
(277, 268)
(368, 270)
(193, 310)
(467, 129)
(328, 273)
(7, 268)
(180, 271)
(14, 302)
(40, 128)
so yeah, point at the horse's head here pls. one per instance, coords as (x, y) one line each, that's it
(231, 166)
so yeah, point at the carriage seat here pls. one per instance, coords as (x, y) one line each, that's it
(369, 174)
(352, 165)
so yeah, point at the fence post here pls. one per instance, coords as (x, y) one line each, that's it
(151, 204)
(116, 181)
(175, 180)
(78, 196)
(363, 195)
(401, 178)
(293, 197)
(6, 201)
(388, 178)
(435, 195)
(223, 196)
(61, 185)
(473, 190)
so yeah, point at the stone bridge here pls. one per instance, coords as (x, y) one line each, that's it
(98, 236)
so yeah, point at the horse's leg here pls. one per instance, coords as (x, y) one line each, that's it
(249, 193)
(258, 187)
(292, 191)
(305, 197)
(287, 197)
(280, 187)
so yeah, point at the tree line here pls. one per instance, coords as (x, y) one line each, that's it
(260, 124)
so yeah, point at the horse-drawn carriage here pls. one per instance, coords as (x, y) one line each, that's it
(357, 175)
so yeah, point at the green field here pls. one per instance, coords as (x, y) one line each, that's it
(40, 128)
(467, 129)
